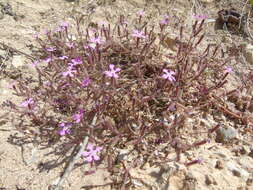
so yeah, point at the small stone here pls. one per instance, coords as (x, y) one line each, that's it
(246, 162)
(210, 180)
(236, 173)
(251, 154)
(123, 155)
(249, 181)
(245, 150)
(226, 134)
(219, 164)
(239, 172)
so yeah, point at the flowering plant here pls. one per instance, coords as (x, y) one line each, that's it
(137, 94)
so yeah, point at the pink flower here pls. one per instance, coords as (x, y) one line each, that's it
(91, 153)
(200, 17)
(138, 34)
(36, 35)
(46, 32)
(91, 45)
(86, 82)
(103, 23)
(70, 72)
(165, 20)
(112, 72)
(58, 29)
(141, 13)
(27, 103)
(168, 75)
(64, 24)
(47, 83)
(48, 60)
(35, 63)
(96, 40)
(79, 116)
(228, 69)
(65, 129)
(51, 49)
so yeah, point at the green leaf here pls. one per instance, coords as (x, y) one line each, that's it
(251, 2)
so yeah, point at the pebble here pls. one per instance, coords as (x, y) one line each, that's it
(245, 149)
(249, 181)
(123, 155)
(210, 180)
(226, 134)
(239, 172)
(219, 164)
(251, 154)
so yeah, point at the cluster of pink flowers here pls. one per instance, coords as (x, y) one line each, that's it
(72, 66)
(65, 128)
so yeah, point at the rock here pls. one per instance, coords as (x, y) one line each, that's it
(18, 61)
(190, 181)
(246, 162)
(239, 172)
(226, 134)
(210, 180)
(251, 154)
(245, 149)
(249, 181)
(123, 155)
(248, 53)
(219, 164)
